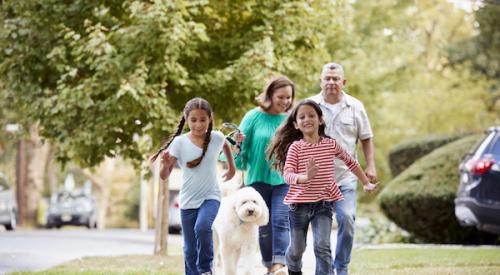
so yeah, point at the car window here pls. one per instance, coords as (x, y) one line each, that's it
(494, 146)
(483, 145)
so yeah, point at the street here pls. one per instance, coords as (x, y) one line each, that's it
(35, 250)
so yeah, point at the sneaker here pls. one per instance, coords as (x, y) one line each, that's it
(281, 271)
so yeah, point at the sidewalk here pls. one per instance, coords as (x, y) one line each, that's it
(308, 259)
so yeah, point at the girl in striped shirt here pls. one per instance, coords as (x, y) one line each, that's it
(305, 155)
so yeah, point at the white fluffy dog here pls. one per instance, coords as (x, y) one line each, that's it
(235, 229)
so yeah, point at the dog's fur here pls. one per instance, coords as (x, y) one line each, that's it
(235, 229)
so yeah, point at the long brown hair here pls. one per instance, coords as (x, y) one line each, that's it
(287, 134)
(193, 104)
(265, 98)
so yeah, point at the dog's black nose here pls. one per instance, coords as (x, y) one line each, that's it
(250, 212)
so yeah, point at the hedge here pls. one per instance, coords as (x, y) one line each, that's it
(420, 200)
(402, 155)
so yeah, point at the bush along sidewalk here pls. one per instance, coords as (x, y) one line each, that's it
(420, 200)
(404, 154)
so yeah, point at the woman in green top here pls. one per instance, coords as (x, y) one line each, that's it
(258, 127)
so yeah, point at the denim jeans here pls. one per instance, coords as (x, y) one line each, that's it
(319, 214)
(274, 237)
(346, 215)
(198, 241)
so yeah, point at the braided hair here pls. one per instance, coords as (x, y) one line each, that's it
(286, 134)
(193, 104)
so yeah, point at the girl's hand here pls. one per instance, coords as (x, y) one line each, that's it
(370, 187)
(312, 169)
(166, 158)
(167, 162)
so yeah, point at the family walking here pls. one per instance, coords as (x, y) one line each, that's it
(301, 160)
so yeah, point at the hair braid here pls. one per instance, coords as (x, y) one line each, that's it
(196, 162)
(165, 145)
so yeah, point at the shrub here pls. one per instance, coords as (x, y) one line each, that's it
(420, 200)
(404, 154)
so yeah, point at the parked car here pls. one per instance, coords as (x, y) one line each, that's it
(72, 208)
(8, 205)
(478, 197)
(174, 214)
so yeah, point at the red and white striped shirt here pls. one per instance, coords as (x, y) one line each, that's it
(323, 186)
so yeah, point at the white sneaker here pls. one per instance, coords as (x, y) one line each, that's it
(281, 271)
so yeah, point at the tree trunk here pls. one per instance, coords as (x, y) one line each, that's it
(161, 227)
(21, 175)
(101, 180)
(33, 156)
(143, 201)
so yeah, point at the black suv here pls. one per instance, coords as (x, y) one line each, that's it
(478, 197)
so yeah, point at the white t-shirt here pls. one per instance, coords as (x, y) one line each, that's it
(201, 182)
(346, 122)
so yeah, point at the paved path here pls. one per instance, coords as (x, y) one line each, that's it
(36, 250)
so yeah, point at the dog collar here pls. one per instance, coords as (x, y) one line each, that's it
(241, 222)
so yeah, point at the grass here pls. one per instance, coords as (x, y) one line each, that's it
(433, 260)
(133, 264)
(414, 261)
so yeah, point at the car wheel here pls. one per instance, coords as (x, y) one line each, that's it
(12, 223)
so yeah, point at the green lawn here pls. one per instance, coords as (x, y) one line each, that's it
(428, 260)
(432, 260)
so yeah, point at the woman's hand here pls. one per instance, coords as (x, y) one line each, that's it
(239, 137)
(229, 174)
(232, 168)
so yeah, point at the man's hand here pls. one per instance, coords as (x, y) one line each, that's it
(371, 174)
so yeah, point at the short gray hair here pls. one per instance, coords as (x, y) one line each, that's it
(332, 67)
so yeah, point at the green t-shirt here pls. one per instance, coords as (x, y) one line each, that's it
(259, 128)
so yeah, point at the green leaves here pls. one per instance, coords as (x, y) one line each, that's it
(101, 77)
(96, 74)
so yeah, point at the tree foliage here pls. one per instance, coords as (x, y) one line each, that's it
(481, 53)
(98, 75)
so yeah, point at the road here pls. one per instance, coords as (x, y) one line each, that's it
(35, 250)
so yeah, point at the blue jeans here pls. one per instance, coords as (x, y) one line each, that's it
(346, 215)
(198, 242)
(274, 237)
(319, 214)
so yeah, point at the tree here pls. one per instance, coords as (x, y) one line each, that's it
(98, 77)
(96, 74)
(481, 53)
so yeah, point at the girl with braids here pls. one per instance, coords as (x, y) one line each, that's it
(305, 155)
(258, 127)
(197, 152)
